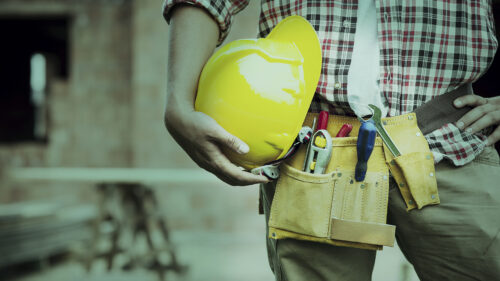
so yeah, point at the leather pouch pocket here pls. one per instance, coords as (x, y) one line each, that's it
(415, 171)
(302, 202)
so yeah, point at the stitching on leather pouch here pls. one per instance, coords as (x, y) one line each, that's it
(275, 197)
(320, 180)
(334, 199)
(380, 203)
(310, 181)
(346, 197)
(329, 221)
(340, 189)
(363, 200)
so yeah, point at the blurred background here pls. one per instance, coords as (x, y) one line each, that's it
(91, 185)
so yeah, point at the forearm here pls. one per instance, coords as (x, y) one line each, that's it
(192, 39)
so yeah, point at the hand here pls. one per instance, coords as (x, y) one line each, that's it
(200, 136)
(486, 112)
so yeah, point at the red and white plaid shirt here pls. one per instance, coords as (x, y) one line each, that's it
(425, 50)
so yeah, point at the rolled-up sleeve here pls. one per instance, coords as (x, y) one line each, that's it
(222, 11)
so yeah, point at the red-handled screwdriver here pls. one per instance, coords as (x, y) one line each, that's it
(344, 131)
(322, 120)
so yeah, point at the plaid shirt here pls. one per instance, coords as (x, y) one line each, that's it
(427, 48)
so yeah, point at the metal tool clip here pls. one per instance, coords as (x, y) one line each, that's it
(269, 171)
(320, 151)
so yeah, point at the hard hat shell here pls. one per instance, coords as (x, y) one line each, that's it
(260, 89)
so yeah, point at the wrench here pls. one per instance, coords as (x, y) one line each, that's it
(376, 117)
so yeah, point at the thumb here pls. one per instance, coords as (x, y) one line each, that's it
(231, 141)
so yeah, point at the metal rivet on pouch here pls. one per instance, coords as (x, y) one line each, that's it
(410, 202)
(362, 186)
(351, 182)
(431, 174)
(384, 122)
(433, 196)
(385, 177)
(339, 175)
(418, 134)
(428, 157)
(401, 184)
(273, 234)
(393, 162)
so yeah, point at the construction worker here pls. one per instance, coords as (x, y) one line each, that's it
(397, 55)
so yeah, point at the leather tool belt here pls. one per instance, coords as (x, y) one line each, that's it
(334, 208)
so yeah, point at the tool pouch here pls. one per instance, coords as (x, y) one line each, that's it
(333, 207)
(413, 171)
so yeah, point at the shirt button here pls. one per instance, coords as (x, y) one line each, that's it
(336, 85)
(346, 24)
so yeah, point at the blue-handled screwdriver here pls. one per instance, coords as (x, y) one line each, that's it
(366, 141)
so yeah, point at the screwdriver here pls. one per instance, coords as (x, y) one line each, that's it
(344, 131)
(322, 120)
(366, 141)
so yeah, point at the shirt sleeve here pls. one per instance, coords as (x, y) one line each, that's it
(222, 11)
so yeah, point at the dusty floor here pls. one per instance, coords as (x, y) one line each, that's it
(213, 257)
(217, 234)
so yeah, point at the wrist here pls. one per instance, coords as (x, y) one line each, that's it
(180, 103)
(175, 111)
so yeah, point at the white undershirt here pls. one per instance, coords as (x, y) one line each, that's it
(362, 79)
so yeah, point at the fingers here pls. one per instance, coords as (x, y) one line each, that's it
(200, 136)
(222, 136)
(235, 176)
(217, 163)
(470, 100)
(486, 112)
(494, 137)
(479, 118)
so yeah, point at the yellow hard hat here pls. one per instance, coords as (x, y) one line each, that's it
(260, 89)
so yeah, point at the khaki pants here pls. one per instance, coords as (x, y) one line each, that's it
(456, 240)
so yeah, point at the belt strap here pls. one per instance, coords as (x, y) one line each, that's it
(440, 110)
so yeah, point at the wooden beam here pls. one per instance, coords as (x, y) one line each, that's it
(122, 175)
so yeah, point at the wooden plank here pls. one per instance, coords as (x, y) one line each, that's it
(112, 175)
(42, 229)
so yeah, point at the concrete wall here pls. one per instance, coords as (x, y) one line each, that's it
(90, 112)
(109, 113)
